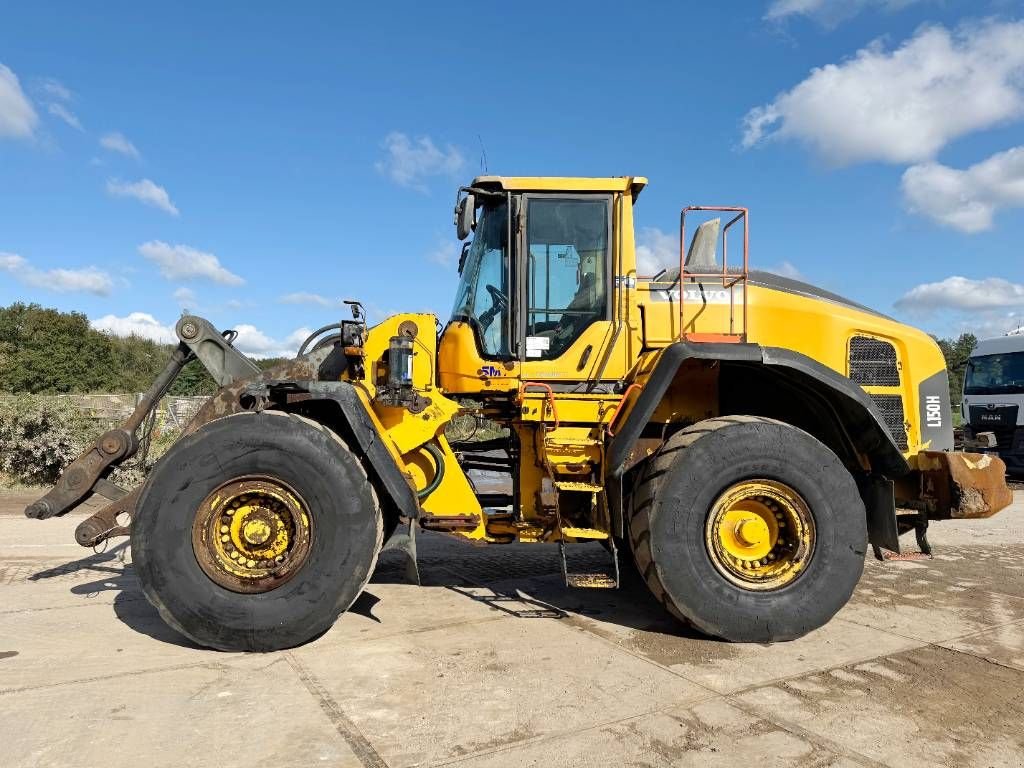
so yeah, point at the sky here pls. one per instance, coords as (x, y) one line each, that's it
(258, 163)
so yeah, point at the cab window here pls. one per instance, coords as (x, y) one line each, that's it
(482, 296)
(566, 271)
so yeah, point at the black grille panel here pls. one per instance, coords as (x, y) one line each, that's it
(891, 408)
(873, 362)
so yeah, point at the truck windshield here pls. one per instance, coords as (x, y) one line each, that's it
(482, 295)
(995, 374)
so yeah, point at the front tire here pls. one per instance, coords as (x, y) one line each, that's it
(256, 532)
(748, 528)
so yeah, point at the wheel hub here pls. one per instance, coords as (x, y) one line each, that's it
(251, 534)
(760, 534)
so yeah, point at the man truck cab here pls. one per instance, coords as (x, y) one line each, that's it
(994, 396)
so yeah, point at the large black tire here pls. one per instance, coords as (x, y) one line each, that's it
(679, 486)
(347, 530)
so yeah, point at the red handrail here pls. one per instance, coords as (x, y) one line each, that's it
(728, 281)
(550, 398)
(618, 408)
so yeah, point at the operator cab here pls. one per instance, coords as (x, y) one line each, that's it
(535, 280)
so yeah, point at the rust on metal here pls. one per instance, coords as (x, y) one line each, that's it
(252, 534)
(104, 524)
(963, 485)
(449, 522)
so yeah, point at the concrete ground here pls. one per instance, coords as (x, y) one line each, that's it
(495, 663)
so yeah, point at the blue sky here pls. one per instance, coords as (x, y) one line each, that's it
(257, 165)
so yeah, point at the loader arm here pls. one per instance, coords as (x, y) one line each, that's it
(89, 472)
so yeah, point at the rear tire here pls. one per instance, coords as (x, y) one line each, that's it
(345, 524)
(671, 537)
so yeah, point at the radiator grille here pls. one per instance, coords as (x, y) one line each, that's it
(873, 362)
(891, 408)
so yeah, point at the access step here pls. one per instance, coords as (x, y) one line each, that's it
(577, 487)
(583, 533)
(591, 580)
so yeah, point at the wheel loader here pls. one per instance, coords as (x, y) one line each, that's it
(734, 438)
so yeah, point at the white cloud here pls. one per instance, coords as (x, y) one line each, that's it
(988, 324)
(902, 106)
(966, 200)
(302, 297)
(445, 253)
(136, 324)
(145, 191)
(57, 96)
(829, 13)
(117, 142)
(655, 251)
(17, 117)
(65, 114)
(786, 269)
(85, 280)
(963, 294)
(182, 262)
(253, 342)
(409, 163)
(185, 296)
(55, 89)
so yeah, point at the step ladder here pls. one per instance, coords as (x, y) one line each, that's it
(578, 579)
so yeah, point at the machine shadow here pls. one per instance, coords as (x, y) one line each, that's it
(526, 583)
(130, 604)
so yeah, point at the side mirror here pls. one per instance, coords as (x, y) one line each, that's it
(465, 216)
(703, 245)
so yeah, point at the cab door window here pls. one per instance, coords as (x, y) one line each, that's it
(566, 271)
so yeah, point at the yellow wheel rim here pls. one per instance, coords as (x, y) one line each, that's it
(251, 534)
(760, 534)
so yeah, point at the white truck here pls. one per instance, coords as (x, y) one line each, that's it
(994, 396)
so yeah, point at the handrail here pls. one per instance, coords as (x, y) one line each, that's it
(618, 408)
(550, 398)
(728, 281)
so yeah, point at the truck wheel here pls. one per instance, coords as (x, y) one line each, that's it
(256, 532)
(749, 529)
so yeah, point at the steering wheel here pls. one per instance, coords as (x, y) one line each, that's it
(499, 303)
(499, 299)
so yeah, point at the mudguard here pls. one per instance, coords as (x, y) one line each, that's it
(861, 423)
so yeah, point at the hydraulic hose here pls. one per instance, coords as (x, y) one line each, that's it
(313, 335)
(438, 457)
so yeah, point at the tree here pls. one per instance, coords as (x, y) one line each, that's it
(45, 351)
(956, 352)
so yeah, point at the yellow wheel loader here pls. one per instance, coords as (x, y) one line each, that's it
(739, 436)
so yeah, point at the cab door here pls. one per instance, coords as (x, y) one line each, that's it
(566, 327)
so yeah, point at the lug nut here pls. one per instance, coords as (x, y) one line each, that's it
(251, 563)
(224, 529)
(225, 538)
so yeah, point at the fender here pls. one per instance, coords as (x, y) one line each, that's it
(362, 435)
(859, 419)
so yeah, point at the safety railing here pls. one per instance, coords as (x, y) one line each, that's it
(729, 280)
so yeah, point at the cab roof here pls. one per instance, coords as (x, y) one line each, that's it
(631, 184)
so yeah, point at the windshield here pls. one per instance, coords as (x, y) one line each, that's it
(995, 374)
(482, 295)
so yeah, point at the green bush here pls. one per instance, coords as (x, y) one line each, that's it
(38, 438)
